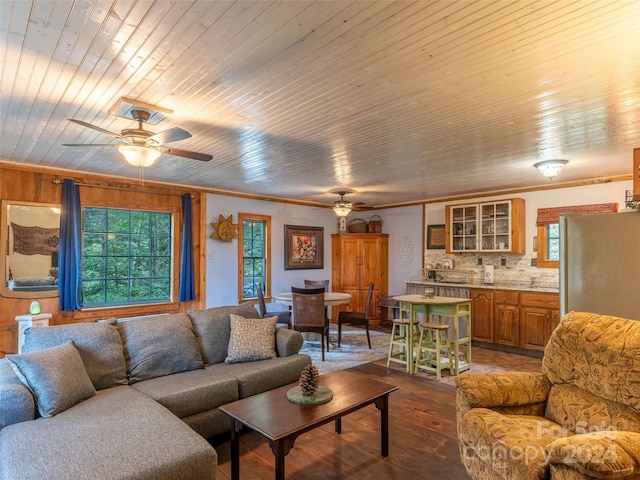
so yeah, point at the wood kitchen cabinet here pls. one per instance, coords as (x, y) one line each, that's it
(506, 310)
(481, 315)
(513, 319)
(540, 315)
(357, 260)
(488, 227)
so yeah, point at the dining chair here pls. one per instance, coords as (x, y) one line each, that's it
(317, 284)
(308, 313)
(356, 318)
(284, 316)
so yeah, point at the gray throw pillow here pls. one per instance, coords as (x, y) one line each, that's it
(213, 328)
(56, 377)
(251, 339)
(159, 345)
(98, 344)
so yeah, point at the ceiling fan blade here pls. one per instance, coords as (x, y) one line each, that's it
(361, 207)
(91, 144)
(170, 135)
(185, 153)
(88, 125)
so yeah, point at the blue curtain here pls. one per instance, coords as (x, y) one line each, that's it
(187, 287)
(69, 256)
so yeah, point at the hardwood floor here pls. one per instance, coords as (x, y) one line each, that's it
(422, 433)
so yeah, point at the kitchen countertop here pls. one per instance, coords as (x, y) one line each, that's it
(525, 287)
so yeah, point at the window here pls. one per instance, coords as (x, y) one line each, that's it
(254, 245)
(553, 241)
(126, 257)
(548, 246)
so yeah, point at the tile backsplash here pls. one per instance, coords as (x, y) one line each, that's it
(517, 271)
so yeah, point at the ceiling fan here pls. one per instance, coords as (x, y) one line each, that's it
(342, 207)
(142, 147)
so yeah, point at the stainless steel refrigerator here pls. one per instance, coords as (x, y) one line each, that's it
(600, 264)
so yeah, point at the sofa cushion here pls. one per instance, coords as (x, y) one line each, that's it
(258, 377)
(582, 412)
(494, 445)
(251, 339)
(598, 353)
(213, 328)
(16, 400)
(159, 345)
(98, 344)
(56, 376)
(190, 393)
(119, 434)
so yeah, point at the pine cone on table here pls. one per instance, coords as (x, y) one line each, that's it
(309, 380)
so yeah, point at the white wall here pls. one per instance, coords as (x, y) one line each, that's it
(406, 228)
(222, 257)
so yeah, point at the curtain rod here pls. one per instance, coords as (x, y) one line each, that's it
(59, 182)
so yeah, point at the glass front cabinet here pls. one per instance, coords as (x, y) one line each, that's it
(488, 227)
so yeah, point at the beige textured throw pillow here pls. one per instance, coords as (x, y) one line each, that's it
(251, 339)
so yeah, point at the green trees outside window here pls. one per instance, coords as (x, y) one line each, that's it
(253, 256)
(126, 257)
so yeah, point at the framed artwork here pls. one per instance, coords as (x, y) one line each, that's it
(303, 247)
(435, 237)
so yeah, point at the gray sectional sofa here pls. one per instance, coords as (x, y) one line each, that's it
(136, 399)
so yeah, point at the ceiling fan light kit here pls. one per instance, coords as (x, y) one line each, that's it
(341, 207)
(551, 168)
(139, 156)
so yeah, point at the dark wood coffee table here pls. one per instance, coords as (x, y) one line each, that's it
(281, 421)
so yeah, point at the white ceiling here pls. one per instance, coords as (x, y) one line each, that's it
(399, 101)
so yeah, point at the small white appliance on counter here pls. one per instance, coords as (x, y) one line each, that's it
(489, 274)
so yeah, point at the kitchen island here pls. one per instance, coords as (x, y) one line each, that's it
(517, 318)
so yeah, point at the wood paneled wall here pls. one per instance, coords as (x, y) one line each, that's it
(33, 184)
(636, 174)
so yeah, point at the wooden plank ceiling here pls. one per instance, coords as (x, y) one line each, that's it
(399, 101)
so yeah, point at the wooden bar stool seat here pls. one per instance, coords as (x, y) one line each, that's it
(433, 342)
(399, 349)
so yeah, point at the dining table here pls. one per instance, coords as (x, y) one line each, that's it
(330, 298)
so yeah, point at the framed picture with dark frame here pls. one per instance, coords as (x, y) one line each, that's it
(303, 247)
(435, 237)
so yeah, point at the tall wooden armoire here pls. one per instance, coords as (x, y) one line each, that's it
(356, 260)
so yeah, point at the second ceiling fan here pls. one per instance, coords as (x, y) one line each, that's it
(343, 207)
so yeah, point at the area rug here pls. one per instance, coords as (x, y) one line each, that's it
(353, 350)
(484, 361)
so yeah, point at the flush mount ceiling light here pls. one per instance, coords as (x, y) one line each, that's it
(139, 156)
(342, 207)
(551, 168)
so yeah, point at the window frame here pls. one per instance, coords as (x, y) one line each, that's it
(267, 255)
(542, 260)
(171, 256)
(175, 209)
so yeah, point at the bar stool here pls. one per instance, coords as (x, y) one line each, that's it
(400, 338)
(433, 340)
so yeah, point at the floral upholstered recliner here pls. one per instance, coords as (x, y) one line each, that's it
(578, 420)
